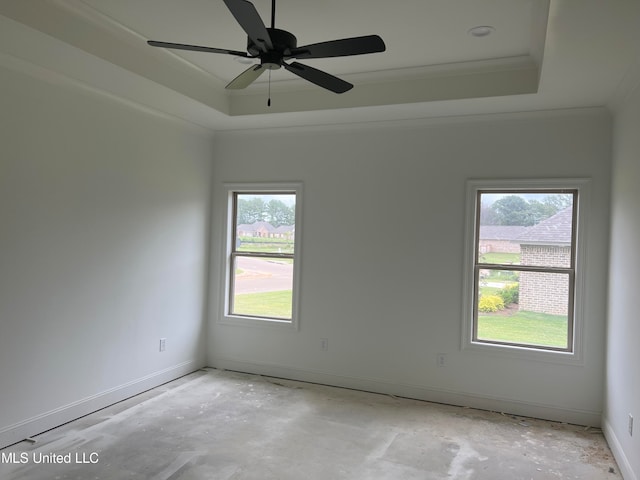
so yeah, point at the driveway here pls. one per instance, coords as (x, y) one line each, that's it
(261, 275)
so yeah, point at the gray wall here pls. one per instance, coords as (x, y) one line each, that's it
(382, 247)
(623, 356)
(103, 251)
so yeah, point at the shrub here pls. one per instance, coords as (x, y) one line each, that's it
(510, 294)
(490, 304)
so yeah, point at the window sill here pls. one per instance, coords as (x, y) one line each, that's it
(243, 321)
(524, 353)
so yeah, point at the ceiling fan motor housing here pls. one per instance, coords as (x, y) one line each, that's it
(283, 42)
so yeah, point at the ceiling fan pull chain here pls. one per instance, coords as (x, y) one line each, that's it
(269, 99)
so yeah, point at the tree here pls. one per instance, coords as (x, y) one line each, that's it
(278, 213)
(541, 210)
(488, 215)
(559, 201)
(275, 211)
(513, 210)
(251, 211)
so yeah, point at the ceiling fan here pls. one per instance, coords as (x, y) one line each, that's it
(273, 46)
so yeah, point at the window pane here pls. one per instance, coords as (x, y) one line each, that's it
(265, 223)
(526, 308)
(525, 228)
(263, 287)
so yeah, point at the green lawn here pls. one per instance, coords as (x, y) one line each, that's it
(274, 246)
(490, 290)
(500, 276)
(526, 328)
(265, 304)
(499, 257)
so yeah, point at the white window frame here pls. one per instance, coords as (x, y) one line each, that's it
(226, 281)
(474, 186)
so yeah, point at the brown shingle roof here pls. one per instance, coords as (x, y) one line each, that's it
(500, 232)
(284, 229)
(552, 231)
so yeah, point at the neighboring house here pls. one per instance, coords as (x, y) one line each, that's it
(548, 243)
(499, 238)
(284, 231)
(256, 229)
(264, 230)
(244, 230)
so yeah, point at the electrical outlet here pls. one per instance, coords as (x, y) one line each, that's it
(442, 359)
(163, 344)
(630, 425)
(324, 344)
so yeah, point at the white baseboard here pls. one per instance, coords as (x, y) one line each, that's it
(45, 421)
(618, 452)
(482, 402)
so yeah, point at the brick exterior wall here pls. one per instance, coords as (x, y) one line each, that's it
(546, 255)
(544, 292)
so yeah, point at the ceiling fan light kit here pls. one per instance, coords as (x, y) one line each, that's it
(273, 47)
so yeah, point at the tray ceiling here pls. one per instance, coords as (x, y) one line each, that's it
(431, 58)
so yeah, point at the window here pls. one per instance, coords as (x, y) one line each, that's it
(523, 265)
(262, 253)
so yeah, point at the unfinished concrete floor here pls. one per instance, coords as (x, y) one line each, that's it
(224, 425)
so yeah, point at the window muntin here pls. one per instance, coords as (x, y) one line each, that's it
(262, 255)
(524, 268)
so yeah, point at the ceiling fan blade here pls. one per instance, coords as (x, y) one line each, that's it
(196, 48)
(340, 48)
(246, 78)
(320, 78)
(247, 16)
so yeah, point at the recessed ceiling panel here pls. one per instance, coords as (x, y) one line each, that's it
(417, 33)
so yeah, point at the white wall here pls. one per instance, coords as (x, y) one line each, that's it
(382, 244)
(623, 354)
(103, 251)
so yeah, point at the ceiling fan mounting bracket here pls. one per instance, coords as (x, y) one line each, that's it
(283, 42)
